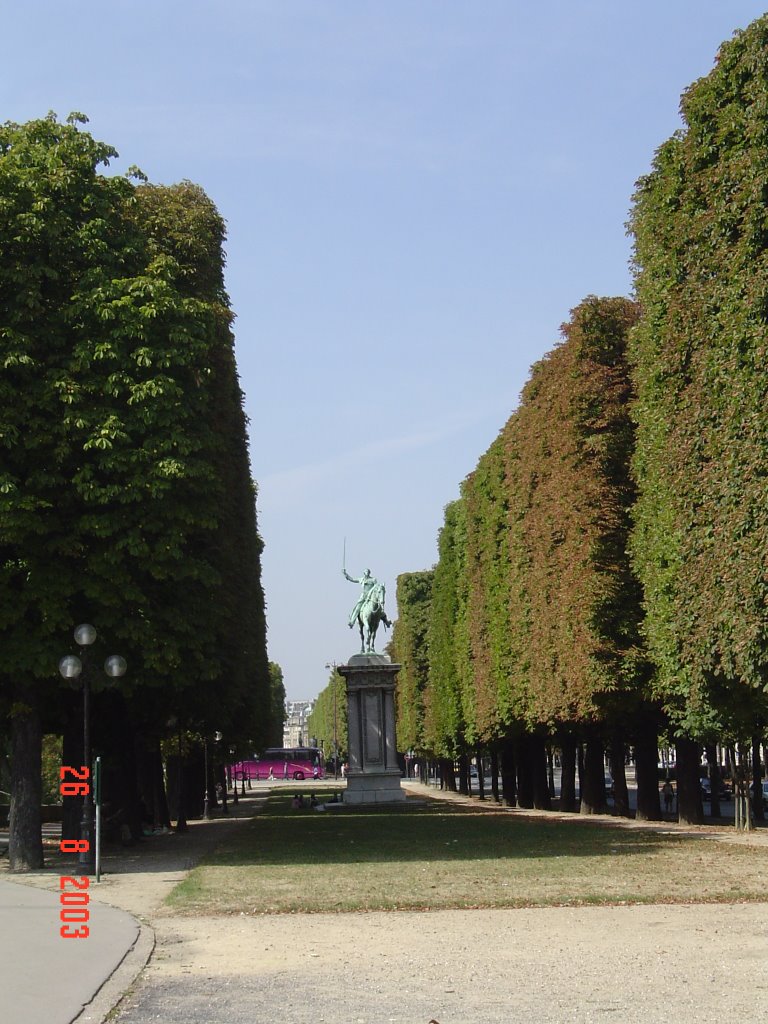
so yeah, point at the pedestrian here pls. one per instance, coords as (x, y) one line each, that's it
(285, 770)
(669, 795)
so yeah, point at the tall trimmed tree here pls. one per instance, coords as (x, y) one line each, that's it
(575, 440)
(700, 542)
(116, 489)
(184, 224)
(444, 706)
(410, 649)
(496, 566)
(328, 720)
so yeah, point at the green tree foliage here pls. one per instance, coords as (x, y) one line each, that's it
(184, 224)
(51, 766)
(327, 722)
(277, 706)
(534, 612)
(409, 649)
(497, 602)
(125, 493)
(700, 355)
(552, 606)
(574, 439)
(106, 480)
(444, 717)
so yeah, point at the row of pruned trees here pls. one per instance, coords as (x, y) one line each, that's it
(602, 577)
(327, 722)
(126, 498)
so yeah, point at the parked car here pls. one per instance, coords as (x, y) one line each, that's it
(765, 794)
(706, 790)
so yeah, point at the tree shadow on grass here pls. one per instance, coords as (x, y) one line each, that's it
(424, 830)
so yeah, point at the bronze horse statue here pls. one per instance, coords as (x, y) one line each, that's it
(369, 616)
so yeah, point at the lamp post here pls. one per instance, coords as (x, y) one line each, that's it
(72, 667)
(233, 774)
(181, 818)
(206, 802)
(332, 664)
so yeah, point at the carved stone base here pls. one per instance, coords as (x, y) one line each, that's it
(371, 788)
(374, 773)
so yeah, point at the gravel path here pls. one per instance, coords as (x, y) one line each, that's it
(663, 964)
(550, 966)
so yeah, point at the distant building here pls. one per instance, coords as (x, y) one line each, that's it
(295, 733)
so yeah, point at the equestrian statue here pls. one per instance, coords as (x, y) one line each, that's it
(369, 610)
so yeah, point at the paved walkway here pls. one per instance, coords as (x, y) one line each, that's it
(45, 979)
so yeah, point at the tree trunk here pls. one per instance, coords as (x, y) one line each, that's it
(593, 792)
(194, 782)
(153, 800)
(689, 807)
(551, 771)
(447, 774)
(173, 768)
(742, 771)
(757, 781)
(480, 776)
(495, 775)
(25, 846)
(537, 752)
(464, 774)
(647, 773)
(127, 791)
(730, 762)
(524, 774)
(508, 773)
(714, 780)
(568, 774)
(619, 776)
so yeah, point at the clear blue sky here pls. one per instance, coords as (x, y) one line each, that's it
(417, 192)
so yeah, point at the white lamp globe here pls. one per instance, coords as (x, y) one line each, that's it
(85, 635)
(115, 666)
(70, 666)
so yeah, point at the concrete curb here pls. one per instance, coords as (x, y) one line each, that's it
(118, 984)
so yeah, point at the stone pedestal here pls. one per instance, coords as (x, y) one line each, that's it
(374, 775)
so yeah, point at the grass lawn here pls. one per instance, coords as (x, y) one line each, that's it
(430, 855)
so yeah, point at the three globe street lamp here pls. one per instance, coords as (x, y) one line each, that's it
(73, 667)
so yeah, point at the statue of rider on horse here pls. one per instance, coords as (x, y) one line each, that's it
(369, 610)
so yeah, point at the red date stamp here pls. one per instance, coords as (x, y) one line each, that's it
(74, 896)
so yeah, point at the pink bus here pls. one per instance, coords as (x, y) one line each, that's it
(282, 763)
